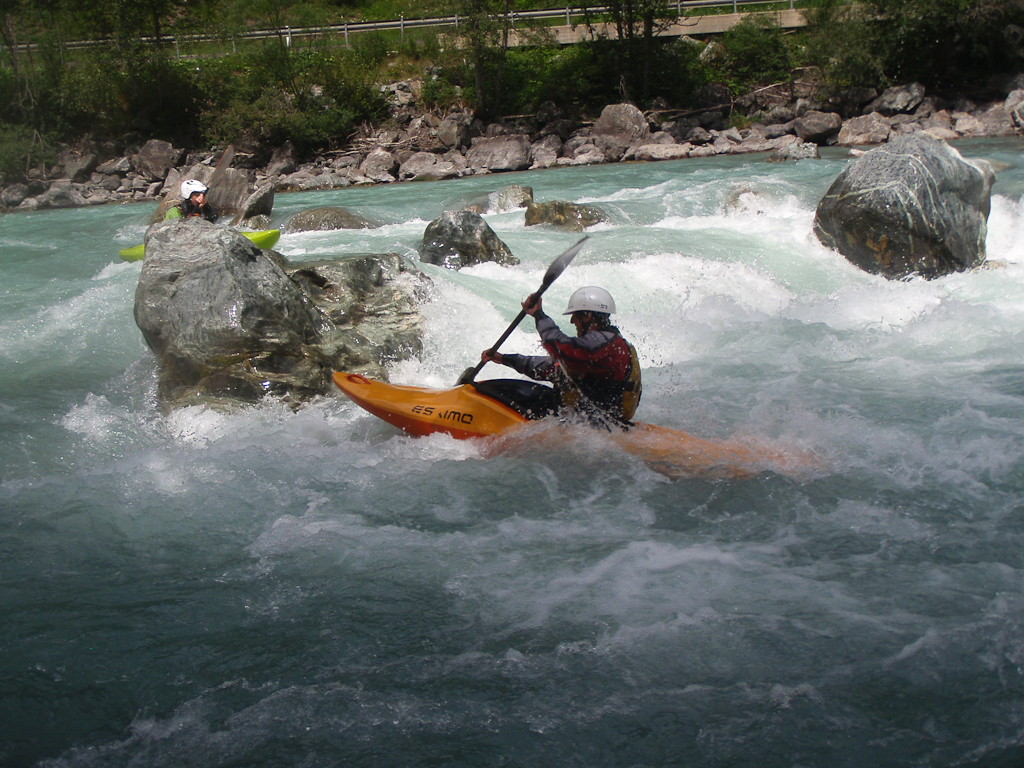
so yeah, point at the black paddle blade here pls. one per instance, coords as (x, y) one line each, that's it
(557, 267)
(468, 375)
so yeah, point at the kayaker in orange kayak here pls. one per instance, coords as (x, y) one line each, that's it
(596, 373)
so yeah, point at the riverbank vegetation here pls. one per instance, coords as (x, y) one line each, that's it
(185, 73)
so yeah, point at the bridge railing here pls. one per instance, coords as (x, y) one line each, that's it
(343, 30)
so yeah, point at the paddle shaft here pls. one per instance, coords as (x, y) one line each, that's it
(557, 267)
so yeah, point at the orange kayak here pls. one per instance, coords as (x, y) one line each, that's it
(502, 407)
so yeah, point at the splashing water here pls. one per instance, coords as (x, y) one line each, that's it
(266, 587)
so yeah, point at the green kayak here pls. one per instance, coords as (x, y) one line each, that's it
(264, 238)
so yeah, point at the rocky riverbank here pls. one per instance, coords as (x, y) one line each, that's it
(785, 122)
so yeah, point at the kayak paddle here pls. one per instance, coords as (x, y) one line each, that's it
(557, 267)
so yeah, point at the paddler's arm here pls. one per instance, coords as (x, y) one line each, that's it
(536, 367)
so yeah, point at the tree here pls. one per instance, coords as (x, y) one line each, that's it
(636, 24)
(940, 43)
(484, 27)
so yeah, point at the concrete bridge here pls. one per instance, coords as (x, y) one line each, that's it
(693, 25)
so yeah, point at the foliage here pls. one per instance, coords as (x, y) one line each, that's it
(312, 98)
(841, 42)
(483, 31)
(572, 76)
(446, 88)
(20, 149)
(150, 79)
(636, 23)
(756, 52)
(940, 43)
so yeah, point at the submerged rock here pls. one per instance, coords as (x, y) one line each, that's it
(912, 206)
(563, 214)
(501, 200)
(460, 238)
(327, 218)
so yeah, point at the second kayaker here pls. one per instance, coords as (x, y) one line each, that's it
(193, 202)
(596, 373)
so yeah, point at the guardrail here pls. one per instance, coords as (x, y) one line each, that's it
(401, 24)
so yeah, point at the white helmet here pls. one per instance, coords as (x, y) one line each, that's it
(591, 299)
(190, 186)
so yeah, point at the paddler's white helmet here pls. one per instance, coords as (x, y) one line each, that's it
(591, 299)
(190, 186)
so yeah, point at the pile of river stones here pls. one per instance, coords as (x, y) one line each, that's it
(787, 122)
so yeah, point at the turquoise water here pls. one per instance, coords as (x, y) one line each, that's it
(271, 588)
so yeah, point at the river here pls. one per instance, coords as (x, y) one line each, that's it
(269, 587)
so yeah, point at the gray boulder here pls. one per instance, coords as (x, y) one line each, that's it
(461, 238)
(283, 161)
(1014, 106)
(228, 324)
(818, 127)
(544, 152)
(79, 167)
(500, 153)
(379, 166)
(872, 128)
(156, 158)
(427, 166)
(61, 194)
(259, 203)
(898, 99)
(15, 194)
(508, 198)
(619, 127)
(119, 166)
(795, 149)
(371, 304)
(662, 151)
(327, 218)
(912, 206)
(455, 130)
(565, 215)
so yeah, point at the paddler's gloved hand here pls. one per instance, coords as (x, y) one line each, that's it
(490, 356)
(532, 305)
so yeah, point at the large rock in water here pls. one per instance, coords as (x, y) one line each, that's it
(227, 322)
(327, 218)
(912, 206)
(460, 238)
(563, 214)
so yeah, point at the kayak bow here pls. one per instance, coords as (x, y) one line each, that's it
(460, 411)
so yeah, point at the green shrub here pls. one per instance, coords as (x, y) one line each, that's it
(841, 41)
(442, 92)
(372, 48)
(756, 51)
(312, 98)
(20, 149)
(955, 44)
(571, 76)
